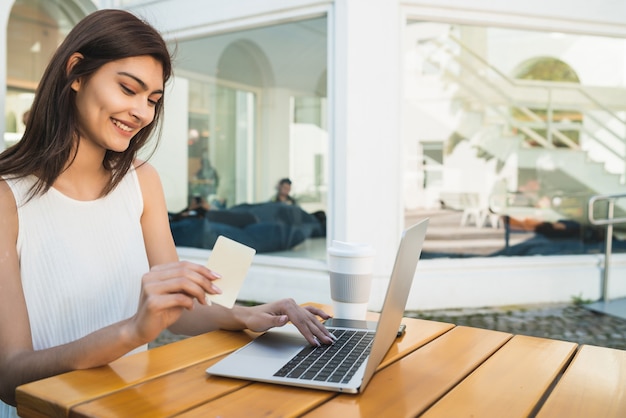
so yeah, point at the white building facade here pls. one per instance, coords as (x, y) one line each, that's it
(381, 112)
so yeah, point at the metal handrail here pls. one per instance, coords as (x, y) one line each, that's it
(544, 86)
(609, 221)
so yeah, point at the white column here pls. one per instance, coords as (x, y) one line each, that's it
(366, 148)
(273, 144)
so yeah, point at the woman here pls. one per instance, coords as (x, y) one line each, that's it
(88, 266)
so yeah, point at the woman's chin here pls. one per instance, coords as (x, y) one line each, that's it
(120, 146)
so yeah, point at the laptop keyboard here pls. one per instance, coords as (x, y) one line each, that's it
(330, 363)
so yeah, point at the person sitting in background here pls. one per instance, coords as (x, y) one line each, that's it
(283, 190)
(206, 179)
(283, 195)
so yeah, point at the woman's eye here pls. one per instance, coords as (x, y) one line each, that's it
(126, 89)
(129, 91)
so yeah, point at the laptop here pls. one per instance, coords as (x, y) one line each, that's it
(283, 356)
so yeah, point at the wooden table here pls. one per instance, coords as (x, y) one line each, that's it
(434, 370)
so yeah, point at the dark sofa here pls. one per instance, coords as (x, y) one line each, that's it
(266, 227)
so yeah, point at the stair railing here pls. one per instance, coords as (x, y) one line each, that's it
(607, 221)
(552, 128)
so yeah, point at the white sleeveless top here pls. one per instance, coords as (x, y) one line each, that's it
(81, 262)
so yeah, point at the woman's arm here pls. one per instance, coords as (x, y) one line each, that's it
(256, 318)
(161, 249)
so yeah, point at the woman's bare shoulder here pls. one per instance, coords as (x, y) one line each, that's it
(7, 199)
(149, 181)
(8, 209)
(146, 173)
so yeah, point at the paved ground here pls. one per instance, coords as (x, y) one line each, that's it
(566, 322)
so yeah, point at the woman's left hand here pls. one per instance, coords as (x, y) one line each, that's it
(276, 314)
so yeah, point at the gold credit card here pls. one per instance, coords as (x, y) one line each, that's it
(231, 260)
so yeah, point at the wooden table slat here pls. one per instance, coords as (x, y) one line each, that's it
(422, 377)
(54, 396)
(281, 401)
(161, 397)
(511, 383)
(592, 386)
(262, 400)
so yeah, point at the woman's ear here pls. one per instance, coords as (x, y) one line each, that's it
(71, 62)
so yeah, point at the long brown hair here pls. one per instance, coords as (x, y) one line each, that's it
(49, 141)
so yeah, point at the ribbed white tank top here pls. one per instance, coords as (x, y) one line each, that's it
(81, 261)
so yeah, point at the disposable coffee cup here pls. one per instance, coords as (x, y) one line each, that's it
(350, 272)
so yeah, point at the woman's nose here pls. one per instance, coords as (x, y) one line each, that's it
(143, 112)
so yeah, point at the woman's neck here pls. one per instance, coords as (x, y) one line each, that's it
(85, 177)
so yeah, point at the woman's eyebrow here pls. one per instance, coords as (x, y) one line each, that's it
(139, 81)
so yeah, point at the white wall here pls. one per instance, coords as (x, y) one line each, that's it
(444, 284)
(275, 122)
(601, 17)
(182, 17)
(170, 158)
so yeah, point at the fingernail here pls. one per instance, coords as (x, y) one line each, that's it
(216, 289)
(317, 342)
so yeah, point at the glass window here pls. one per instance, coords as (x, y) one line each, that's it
(513, 131)
(257, 114)
(35, 29)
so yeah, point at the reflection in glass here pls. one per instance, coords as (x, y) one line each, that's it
(35, 29)
(257, 114)
(530, 125)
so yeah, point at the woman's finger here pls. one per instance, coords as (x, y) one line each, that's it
(199, 275)
(181, 282)
(197, 268)
(307, 322)
(317, 311)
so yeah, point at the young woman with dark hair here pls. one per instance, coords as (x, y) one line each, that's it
(88, 267)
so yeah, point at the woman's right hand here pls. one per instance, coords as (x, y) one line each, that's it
(166, 290)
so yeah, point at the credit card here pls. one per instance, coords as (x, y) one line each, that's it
(231, 260)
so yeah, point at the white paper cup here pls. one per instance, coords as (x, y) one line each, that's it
(350, 272)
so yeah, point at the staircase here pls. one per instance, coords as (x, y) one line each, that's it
(560, 132)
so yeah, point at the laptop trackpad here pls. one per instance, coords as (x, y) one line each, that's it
(278, 343)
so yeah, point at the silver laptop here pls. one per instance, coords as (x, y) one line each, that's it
(283, 356)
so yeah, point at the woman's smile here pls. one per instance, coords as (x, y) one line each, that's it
(122, 125)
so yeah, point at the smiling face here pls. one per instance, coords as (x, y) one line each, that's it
(117, 101)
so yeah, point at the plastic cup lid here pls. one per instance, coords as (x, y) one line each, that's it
(350, 249)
